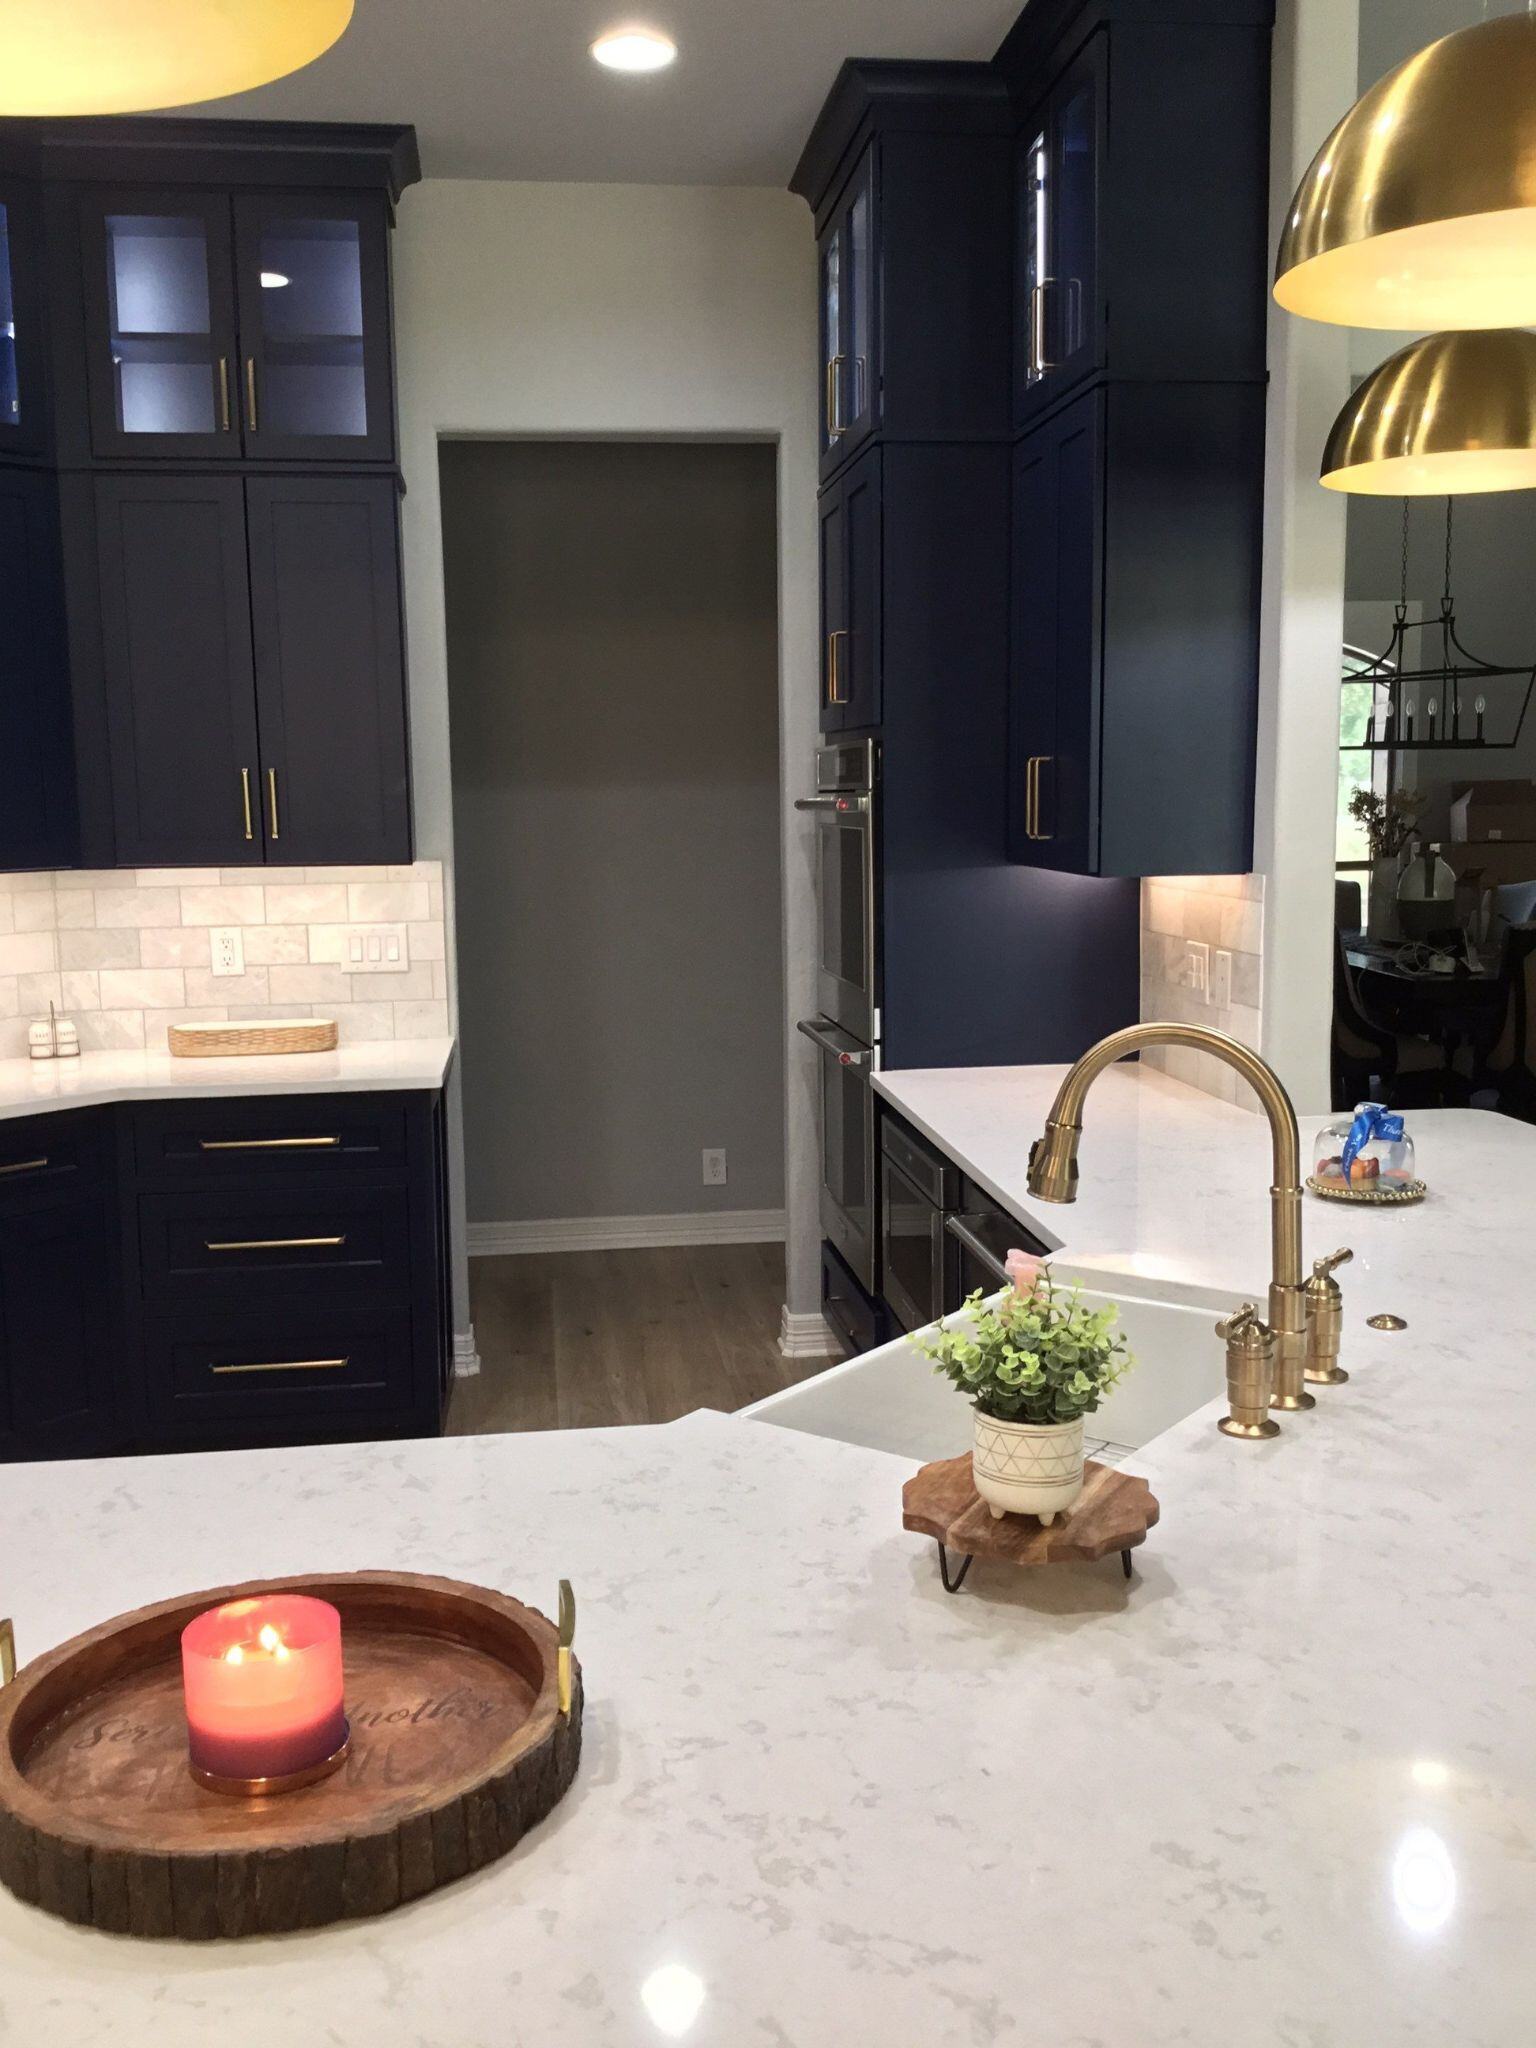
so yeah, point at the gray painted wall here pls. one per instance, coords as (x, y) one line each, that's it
(612, 661)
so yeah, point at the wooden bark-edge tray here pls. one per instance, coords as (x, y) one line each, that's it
(458, 1749)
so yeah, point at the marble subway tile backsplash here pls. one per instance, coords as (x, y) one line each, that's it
(127, 954)
(1226, 914)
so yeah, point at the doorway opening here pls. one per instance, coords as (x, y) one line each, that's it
(612, 640)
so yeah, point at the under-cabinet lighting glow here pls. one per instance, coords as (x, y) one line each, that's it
(1423, 1881)
(672, 1997)
(273, 280)
(634, 49)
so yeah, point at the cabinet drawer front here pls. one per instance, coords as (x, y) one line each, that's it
(231, 1369)
(319, 1245)
(256, 1136)
(38, 1153)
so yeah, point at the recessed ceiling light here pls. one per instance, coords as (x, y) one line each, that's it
(273, 280)
(634, 49)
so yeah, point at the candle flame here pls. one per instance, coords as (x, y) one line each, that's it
(271, 1641)
(234, 1654)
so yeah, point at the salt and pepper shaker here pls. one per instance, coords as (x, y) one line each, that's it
(53, 1038)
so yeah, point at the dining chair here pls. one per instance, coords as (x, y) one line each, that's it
(1508, 1068)
(1371, 1059)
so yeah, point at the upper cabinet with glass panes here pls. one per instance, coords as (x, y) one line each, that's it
(254, 326)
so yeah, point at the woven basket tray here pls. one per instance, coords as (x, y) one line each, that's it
(269, 1035)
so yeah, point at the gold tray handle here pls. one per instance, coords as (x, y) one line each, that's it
(567, 1637)
(7, 1650)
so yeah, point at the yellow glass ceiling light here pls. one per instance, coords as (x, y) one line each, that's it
(123, 56)
(1450, 413)
(1420, 208)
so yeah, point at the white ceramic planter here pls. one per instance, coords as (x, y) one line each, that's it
(1027, 1468)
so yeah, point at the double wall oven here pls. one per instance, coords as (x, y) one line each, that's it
(846, 1028)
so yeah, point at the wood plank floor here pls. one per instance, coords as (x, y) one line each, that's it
(579, 1340)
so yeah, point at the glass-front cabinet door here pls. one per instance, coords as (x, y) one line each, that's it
(314, 328)
(833, 257)
(859, 368)
(23, 427)
(160, 307)
(1058, 320)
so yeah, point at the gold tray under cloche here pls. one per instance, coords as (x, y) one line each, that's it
(1385, 1198)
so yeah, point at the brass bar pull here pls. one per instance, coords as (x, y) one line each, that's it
(286, 1365)
(268, 1244)
(834, 398)
(835, 667)
(250, 393)
(25, 1165)
(7, 1650)
(263, 1144)
(272, 800)
(1032, 827)
(245, 798)
(1039, 362)
(225, 422)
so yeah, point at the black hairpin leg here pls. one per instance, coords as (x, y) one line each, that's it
(1125, 1562)
(952, 1585)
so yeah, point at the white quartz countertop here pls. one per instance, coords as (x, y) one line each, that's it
(1277, 1790)
(1173, 1190)
(30, 1086)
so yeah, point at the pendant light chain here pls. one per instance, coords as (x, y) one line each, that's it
(1402, 595)
(1445, 595)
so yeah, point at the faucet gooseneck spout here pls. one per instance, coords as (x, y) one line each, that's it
(1053, 1176)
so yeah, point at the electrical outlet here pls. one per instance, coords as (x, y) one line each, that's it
(226, 949)
(714, 1166)
(1221, 980)
(1195, 969)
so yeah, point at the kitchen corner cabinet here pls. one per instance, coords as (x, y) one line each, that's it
(1133, 694)
(251, 655)
(222, 327)
(851, 607)
(59, 1349)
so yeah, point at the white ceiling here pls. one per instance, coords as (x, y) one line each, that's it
(506, 88)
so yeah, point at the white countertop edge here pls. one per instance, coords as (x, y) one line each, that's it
(33, 1087)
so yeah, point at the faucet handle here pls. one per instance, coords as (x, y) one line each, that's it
(1250, 1375)
(1325, 1322)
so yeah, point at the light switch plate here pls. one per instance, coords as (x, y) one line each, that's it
(1195, 974)
(361, 948)
(1221, 980)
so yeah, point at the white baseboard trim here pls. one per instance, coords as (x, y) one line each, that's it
(466, 1357)
(626, 1233)
(807, 1336)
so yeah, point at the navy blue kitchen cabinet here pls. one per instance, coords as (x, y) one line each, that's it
(222, 1272)
(908, 173)
(1141, 193)
(60, 1348)
(851, 597)
(1133, 700)
(202, 367)
(37, 798)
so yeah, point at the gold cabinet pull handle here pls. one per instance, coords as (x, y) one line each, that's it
(835, 427)
(835, 667)
(268, 1244)
(245, 799)
(1032, 769)
(225, 422)
(285, 1365)
(250, 393)
(25, 1165)
(1039, 363)
(262, 1144)
(272, 799)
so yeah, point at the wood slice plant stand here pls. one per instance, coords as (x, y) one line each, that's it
(459, 1746)
(1114, 1512)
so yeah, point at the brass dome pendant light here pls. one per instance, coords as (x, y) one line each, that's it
(1448, 414)
(126, 56)
(1420, 208)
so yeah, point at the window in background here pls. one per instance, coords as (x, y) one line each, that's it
(1359, 766)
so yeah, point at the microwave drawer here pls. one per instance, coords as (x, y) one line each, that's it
(326, 1244)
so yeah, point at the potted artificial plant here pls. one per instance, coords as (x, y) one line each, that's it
(1388, 823)
(1034, 1362)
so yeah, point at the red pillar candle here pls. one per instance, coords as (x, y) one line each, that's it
(263, 1687)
